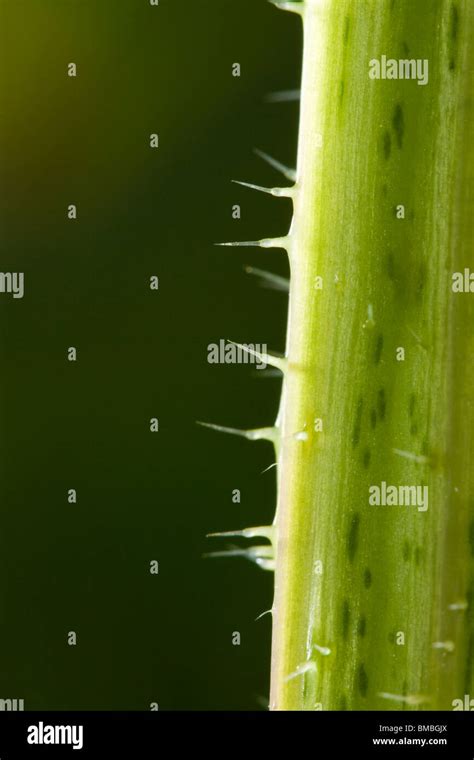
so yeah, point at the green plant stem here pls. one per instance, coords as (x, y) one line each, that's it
(373, 605)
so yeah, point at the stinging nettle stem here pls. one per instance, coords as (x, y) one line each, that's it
(374, 593)
(382, 589)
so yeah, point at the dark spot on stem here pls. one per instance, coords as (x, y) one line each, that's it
(421, 279)
(353, 537)
(471, 537)
(347, 26)
(357, 423)
(373, 418)
(341, 91)
(406, 551)
(453, 33)
(381, 403)
(362, 680)
(387, 144)
(398, 124)
(343, 702)
(405, 47)
(306, 689)
(454, 23)
(346, 618)
(366, 458)
(362, 626)
(367, 577)
(378, 349)
(418, 555)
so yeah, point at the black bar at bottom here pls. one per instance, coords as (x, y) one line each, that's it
(149, 734)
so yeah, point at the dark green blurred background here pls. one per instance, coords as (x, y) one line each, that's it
(141, 354)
